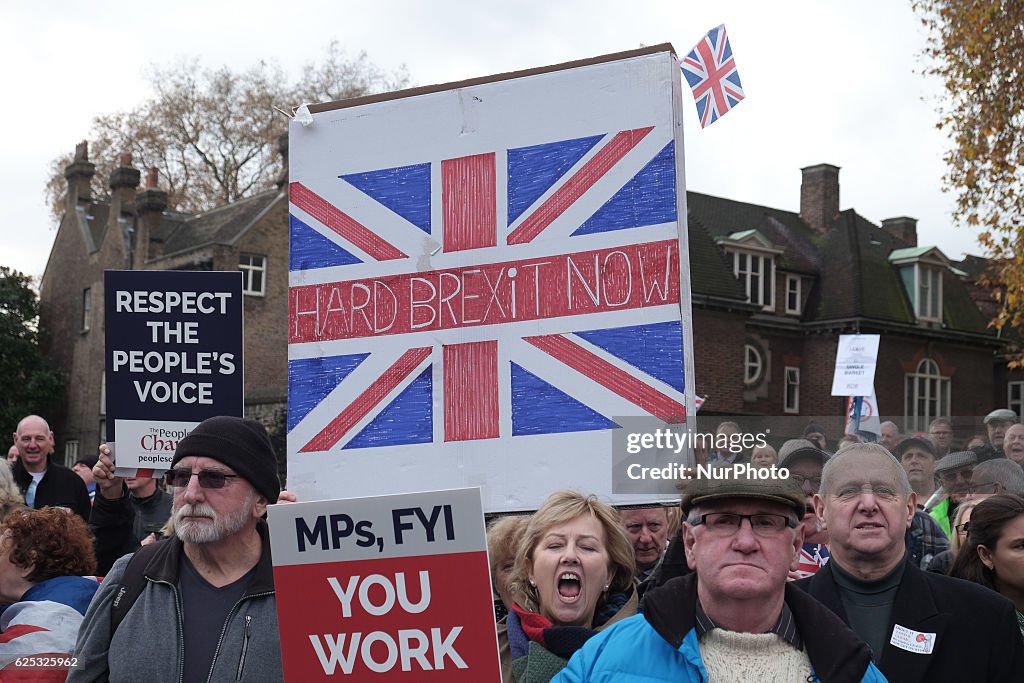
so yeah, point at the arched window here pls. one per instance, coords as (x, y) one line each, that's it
(753, 365)
(927, 395)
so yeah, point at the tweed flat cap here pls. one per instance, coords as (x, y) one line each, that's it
(737, 485)
(792, 445)
(1001, 415)
(804, 453)
(956, 461)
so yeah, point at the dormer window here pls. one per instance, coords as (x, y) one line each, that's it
(929, 293)
(757, 273)
(753, 264)
(921, 271)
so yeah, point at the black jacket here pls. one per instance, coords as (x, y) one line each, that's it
(836, 653)
(60, 487)
(119, 525)
(976, 634)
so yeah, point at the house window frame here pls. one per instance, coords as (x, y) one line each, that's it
(765, 274)
(927, 394)
(1015, 403)
(86, 309)
(71, 451)
(757, 365)
(927, 280)
(794, 292)
(791, 390)
(250, 270)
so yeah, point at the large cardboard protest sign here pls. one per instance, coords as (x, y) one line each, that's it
(173, 358)
(483, 277)
(391, 588)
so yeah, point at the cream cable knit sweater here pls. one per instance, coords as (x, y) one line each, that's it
(755, 657)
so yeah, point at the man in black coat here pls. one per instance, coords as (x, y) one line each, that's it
(41, 480)
(920, 626)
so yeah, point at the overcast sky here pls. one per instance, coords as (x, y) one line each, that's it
(826, 82)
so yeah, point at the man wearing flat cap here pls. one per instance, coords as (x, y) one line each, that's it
(954, 472)
(996, 424)
(206, 610)
(735, 618)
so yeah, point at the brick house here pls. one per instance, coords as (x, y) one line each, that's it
(772, 290)
(808, 277)
(134, 230)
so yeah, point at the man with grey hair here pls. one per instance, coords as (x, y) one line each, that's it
(941, 433)
(202, 604)
(42, 480)
(890, 435)
(727, 450)
(735, 618)
(996, 476)
(919, 625)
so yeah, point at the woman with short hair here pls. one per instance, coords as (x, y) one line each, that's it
(574, 574)
(994, 554)
(44, 557)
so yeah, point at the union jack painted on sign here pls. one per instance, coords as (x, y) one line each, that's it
(484, 278)
(710, 70)
(502, 334)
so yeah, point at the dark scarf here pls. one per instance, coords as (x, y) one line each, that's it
(563, 641)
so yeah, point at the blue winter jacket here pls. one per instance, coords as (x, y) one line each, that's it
(661, 645)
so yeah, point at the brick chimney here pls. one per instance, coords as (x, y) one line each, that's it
(149, 207)
(819, 196)
(903, 228)
(79, 175)
(123, 182)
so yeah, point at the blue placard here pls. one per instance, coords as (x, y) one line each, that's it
(173, 358)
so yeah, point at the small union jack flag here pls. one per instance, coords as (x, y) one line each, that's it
(710, 70)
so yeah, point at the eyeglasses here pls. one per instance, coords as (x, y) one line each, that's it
(960, 474)
(962, 528)
(208, 479)
(801, 480)
(847, 494)
(984, 488)
(763, 524)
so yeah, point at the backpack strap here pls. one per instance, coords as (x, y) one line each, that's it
(133, 581)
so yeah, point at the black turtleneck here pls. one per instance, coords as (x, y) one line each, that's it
(868, 604)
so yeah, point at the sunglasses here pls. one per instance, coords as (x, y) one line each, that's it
(208, 479)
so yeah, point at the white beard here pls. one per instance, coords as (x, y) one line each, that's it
(216, 528)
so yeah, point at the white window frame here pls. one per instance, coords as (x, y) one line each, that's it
(927, 279)
(1015, 397)
(793, 287)
(86, 309)
(927, 395)
(792, 382)
(761, 267)
(71, 451)
(247, 263)
(757, 365)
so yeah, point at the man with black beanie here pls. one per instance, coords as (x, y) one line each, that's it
(210, 588)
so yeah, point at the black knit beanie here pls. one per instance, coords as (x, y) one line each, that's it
(241, 444)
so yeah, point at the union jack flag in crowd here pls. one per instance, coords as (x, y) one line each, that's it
(710, 70)
(523, 291)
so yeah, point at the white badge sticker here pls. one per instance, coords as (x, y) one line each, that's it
(912, 641)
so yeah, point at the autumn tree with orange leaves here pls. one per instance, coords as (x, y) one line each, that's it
(976, 48)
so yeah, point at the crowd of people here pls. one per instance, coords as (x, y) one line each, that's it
(901, 560)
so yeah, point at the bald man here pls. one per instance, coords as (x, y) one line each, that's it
(920, 626)
(42, 481)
